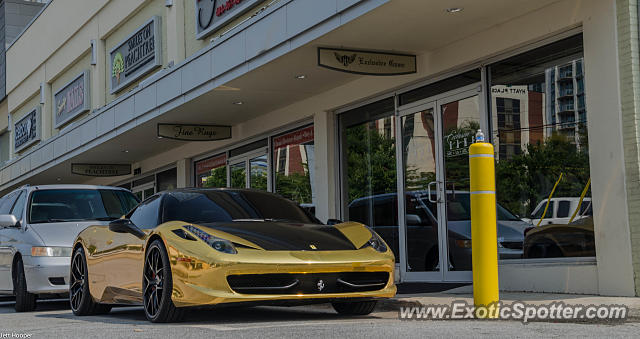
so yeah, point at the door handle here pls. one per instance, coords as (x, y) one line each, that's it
(429, 192)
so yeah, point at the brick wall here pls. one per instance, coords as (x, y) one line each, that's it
(628, 54)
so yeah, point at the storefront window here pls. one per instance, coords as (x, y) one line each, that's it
(212, 172)
(542, 161)
(167, 180)
(369, 177)
(293, 165)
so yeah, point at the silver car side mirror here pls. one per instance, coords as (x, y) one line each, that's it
(8, 220)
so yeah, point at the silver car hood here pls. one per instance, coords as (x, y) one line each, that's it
(62, 233)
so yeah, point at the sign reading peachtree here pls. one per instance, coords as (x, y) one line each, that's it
(213, 14)
(101, 170)
(136, 55)
(194, 132)
(72, 99)
(27, 130)
(368, 63)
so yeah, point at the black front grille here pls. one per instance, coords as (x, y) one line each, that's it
(310, 283)
(514, 245)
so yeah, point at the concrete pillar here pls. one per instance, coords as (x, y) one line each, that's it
(175, 32)
(183, 167)
(98, 76)
(47, 112)
(325, 165)
(607, 163)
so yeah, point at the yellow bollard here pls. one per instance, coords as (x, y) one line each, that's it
(484, 241)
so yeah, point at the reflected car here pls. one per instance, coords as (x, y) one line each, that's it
(561, 240)
(38, 225)
(204, 247)
(380, 212)
(560, 210)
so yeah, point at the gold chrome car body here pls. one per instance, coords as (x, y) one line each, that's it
(115, 265)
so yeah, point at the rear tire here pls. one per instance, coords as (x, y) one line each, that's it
(157, 286)
(25, 301)
(80, 299)
(354, 307)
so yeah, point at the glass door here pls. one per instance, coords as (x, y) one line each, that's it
(144, 191)
(419, 184)
(249, 171)
(434, 215)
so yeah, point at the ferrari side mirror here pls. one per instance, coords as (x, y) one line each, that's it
(125, 226)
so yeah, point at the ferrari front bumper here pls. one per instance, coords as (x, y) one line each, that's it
(204, 281)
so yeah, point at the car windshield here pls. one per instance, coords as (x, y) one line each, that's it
(208, 206)
(61, 205)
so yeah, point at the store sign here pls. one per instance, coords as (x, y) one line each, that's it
(136, 55)
(72, 99)
(27, 130)
(194, 132)
(457, 142)
(101, 170)
(213, 14)
(298, 137)
(367, 63)
(206, 165)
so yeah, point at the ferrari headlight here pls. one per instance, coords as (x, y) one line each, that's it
(37, 251)
(221, 245)
(375, 242)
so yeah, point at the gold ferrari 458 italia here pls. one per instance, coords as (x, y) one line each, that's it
(198, 247)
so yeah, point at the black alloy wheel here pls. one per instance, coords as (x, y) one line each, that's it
(157, 286)
(79, 297)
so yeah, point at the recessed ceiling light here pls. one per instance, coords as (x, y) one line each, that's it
(454, 9)
(301, 76)
(125, 151)
(238, 103)
(58, 179)
(159, 137)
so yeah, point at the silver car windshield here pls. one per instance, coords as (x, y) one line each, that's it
(66, 205)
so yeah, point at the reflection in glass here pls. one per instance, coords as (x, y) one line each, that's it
(419, 160)
(238, 175)
(539, 119)
(212, 172)
(258, 179)
(293, 155)
(369, 148)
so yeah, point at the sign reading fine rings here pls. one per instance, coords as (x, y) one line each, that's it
(367, 63)
(101, 170)
(194, 132)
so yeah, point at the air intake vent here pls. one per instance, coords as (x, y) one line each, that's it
(56, 280)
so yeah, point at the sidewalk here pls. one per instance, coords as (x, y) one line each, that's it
(466, 294)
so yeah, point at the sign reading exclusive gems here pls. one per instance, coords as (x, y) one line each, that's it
(213, 14)
(27, 130)
(72, 99)
(136, 55)
(194, 132)
(368, 63)
(101, 170)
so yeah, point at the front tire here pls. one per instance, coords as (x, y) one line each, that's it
(82, 303)
(354, 307)
(25, 301)
(157, 286)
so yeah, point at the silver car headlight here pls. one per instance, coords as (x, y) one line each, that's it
(42, 251)
(375, 242)
(218, 244)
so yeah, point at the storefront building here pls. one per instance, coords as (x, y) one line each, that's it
(358, 110)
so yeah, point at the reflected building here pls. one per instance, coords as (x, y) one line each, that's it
(566, 102)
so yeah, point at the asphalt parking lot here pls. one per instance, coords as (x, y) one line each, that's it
(53, 319)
